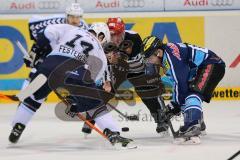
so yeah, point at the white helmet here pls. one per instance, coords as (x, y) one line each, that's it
(101, 28)
(74, 10)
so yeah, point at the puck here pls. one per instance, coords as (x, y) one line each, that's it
(133, 118)
(125, 129)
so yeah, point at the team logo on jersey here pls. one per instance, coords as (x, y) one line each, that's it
(175, 50)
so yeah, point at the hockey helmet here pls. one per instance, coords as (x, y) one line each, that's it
(116, 25)
(74, 10)
(101, 28)
(150, 45)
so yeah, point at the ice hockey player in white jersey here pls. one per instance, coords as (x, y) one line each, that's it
(73, 16)
(41, 47)
(73, 44)
(37, 24)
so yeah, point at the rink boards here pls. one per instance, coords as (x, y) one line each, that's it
(216, 31)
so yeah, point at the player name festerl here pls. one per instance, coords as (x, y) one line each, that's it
(72, 53)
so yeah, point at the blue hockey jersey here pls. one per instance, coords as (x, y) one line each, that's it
(180, 63)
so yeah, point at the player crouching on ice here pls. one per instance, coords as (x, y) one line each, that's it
(77, 59)
(178, 61)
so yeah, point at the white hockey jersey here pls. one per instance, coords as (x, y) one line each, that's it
(74, 42)
(37, 24)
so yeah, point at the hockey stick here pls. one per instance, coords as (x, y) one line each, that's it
(37, 83)
(81, 117)
(167, 119)
(174, 133)
(131, 118)
(24, 51)
(9, 97)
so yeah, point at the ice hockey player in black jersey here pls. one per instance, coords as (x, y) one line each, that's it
(137, 71)
(132, 68)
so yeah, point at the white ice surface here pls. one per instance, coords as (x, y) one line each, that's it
(46, 137)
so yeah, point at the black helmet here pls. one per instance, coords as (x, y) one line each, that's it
(150, 45)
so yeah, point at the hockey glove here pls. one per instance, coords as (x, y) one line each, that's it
(173, 109)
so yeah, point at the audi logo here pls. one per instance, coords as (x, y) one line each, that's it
(222, 2)
(49, 5)
(133, 3)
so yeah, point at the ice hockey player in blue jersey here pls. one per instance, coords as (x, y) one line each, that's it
(195, 73)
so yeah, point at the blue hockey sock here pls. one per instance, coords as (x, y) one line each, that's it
(192, 110)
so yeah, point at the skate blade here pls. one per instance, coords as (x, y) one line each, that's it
(187, 141)
(130, 145)
(11, 145)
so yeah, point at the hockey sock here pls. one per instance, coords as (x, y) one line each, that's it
(107, 121)
(23, 115)
(192, 110)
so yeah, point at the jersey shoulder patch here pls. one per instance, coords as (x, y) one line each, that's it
(174, 50)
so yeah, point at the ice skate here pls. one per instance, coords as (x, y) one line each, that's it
(115, 139)
(16, 132)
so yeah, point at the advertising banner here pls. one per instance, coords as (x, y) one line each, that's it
(58, 6)
(197, 5)
(101, 6)
(203, 31)
(13, 71)
(122, 5)
(33, 6)
(12, 68)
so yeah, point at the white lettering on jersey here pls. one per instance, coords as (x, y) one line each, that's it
(73, 42)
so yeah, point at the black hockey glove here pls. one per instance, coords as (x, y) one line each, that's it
(173, 109)
(151, 69)
(34, 56)
(28, 62)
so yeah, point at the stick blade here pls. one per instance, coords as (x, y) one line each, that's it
(37, 83)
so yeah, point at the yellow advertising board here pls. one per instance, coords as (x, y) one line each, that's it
(13, 71)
